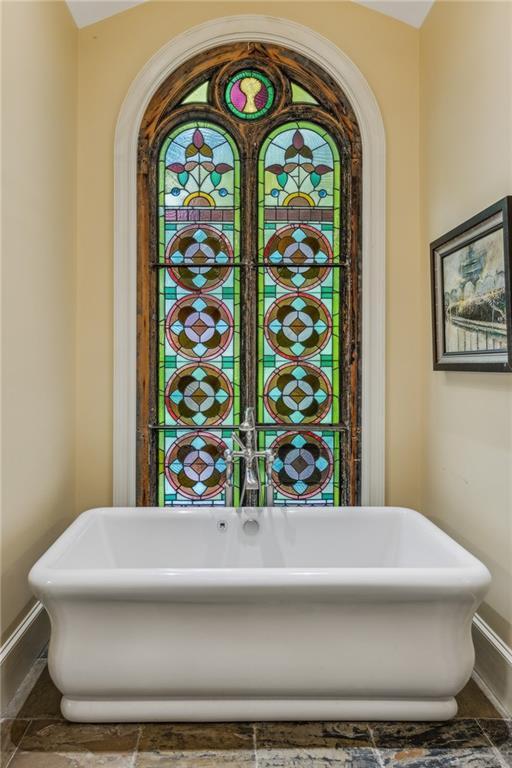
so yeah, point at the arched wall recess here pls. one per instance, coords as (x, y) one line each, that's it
(347, 75)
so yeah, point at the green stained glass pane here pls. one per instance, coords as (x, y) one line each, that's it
(298, 309)
(199, 311)
(249, 94)
(198, 96)
(302, 96)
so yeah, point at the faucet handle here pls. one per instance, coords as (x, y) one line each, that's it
(269, 482)
(228, 457)
(228, 492)
(269, 460)
(237, 440)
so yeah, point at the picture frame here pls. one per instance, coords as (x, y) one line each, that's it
(471, 269)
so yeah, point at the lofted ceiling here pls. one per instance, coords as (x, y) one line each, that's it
(413, 12)
(87, 12)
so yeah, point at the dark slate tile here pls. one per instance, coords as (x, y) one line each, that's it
(474, 703)
(43, 701)
(317, 734)
(449, 734)
(500, 733)
(196, 745)
(11, 732)
(436, 758)
(314, 745)
(59, 744)
(454, 744)
(318, 757)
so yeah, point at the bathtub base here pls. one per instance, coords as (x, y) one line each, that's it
(229, 710)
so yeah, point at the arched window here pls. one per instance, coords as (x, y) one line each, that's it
(249, 277)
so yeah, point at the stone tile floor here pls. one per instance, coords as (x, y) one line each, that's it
(36, 736)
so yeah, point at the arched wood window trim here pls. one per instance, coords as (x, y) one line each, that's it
(165, 112)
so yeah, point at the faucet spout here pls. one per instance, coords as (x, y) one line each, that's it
(249, 422)
(248, 427)
(252, 480)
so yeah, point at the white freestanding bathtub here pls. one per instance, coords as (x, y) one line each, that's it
(258, 614)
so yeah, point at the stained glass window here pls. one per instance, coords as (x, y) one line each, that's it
(249, 167)
(298, 328)
(199, 295)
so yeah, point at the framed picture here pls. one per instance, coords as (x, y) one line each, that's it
(471, 293)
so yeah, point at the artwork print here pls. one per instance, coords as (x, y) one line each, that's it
(474, 296)
(471, 293)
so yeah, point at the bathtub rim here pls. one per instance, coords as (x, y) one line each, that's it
(468, 576)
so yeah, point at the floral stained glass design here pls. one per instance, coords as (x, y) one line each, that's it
(199, 294)
(303, 464)
(298, 328)
(194, 466)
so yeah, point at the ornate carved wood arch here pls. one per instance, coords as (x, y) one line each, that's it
(334, 113)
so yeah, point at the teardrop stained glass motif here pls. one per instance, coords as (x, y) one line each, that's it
(249, 94)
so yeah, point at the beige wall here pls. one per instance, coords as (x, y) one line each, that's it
(111, 54)
(39, 56)
(466, 164)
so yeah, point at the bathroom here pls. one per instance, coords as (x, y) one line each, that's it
(103, 102)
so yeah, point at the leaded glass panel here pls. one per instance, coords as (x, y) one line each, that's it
(199, 302)
(298, 307)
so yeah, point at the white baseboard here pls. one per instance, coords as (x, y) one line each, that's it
(18, 653)
(493, 664)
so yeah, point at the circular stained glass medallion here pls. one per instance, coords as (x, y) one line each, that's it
(195, 465)
(199, 327)
(198, 395)
(298, 394)
(304, 254)
(297, 326)
(303, 464)
(200, 258)
(249, 94)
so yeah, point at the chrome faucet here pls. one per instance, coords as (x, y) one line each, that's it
(251, 456)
